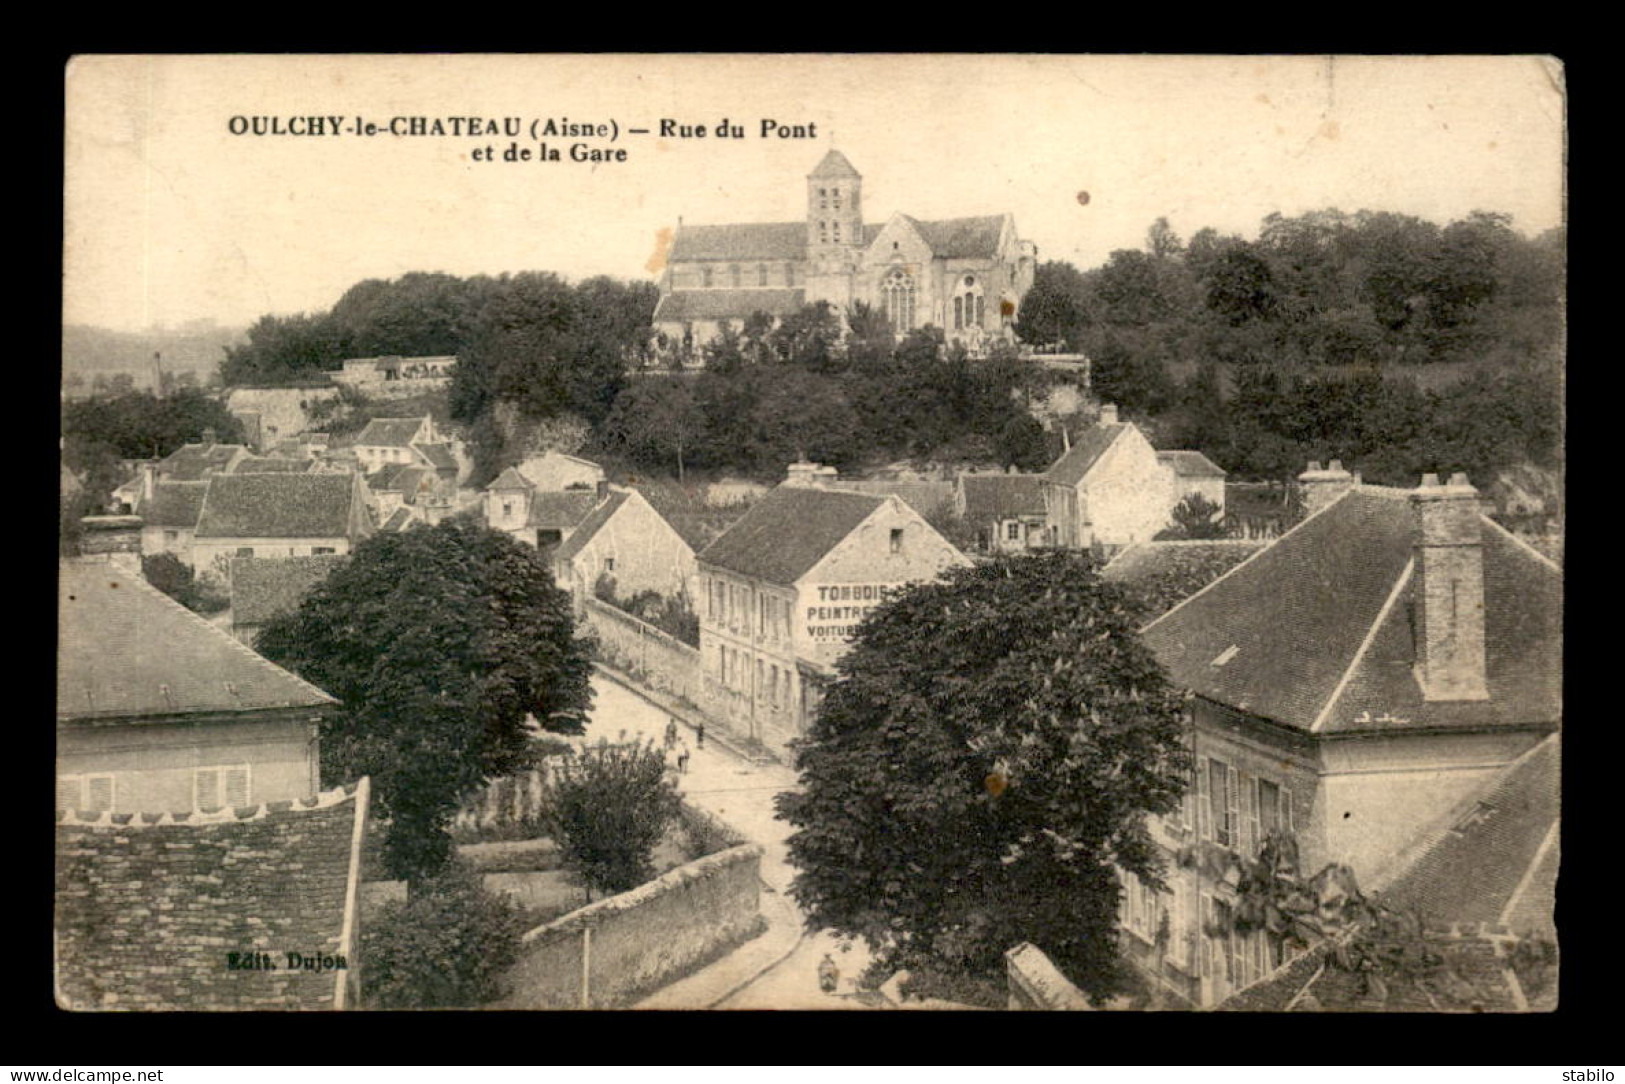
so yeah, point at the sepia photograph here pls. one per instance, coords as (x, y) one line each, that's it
(833, 532)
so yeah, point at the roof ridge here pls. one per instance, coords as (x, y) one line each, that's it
(1366, 641)
(326, 799)
(1267, 547)
(1530, 550)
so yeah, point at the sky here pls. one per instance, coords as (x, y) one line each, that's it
(171, 218)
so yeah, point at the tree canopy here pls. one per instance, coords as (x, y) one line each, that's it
(438, 642)
(981, 768)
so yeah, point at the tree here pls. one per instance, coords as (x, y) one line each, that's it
(166, 572)
(980, 769)
(438, 642)
(1196, 517)
(655, 421)
(446, 947)
(606, 808)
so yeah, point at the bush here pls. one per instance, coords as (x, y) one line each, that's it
(166, 572)
(446, 947)
(607, 808)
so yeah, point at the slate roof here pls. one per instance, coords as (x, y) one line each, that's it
(262, 464)
(789, 531)
(1495, 855)
(834, 164)
(399, 520)
(147, 906)
(439, 455)
(280, 506)
(389, 433)
(1304, 616)
(193, 462)
(1191, 464)
(511, 479)
(173, 504)
(727, 304)
(700, 528)
(397, 478)
(990, 497)
(1160, 575)
(267, 587)
(588, 527)
(926, 498)
(561, 510)
(1087, 448)
(741, 241)
(959, 238)
(127, 650)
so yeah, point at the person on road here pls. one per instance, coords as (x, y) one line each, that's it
(828, 974)
(699, 734)
(671, 733)
(682, 756)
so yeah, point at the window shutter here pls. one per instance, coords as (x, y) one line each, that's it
(1231, 801)
(1255, 838)
(1204, 825)
(1286, 809)
(100, 796)
(236, 786)
(206, 787)
(67, 793)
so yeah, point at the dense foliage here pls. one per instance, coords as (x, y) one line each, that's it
(170, 575)
(438, 643)
(446, 947)
(983, 765)
(607, 807)
(100, 430)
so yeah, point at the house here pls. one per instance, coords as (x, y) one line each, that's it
(267, 587)
(540, 517)
(393, 376)
(277, 515)
(194, 462)
(964, 275)
(396, 485)
(400, 440)
(553, 470)
(1353, 683)
(169, 519)
(158, 709)
(267, 464)
(1192, 474)
(238, 909)
(1006, 511)
(626, 542)
(1112, 489)
(783, 589)
(1483, 882)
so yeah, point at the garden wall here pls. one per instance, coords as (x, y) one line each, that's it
(639, 649)
(612, 952)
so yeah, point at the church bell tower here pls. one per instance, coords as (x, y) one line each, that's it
(834, 230)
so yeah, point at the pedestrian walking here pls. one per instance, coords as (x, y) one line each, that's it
(671, 733)
(699, 734)
(828, 974)
(682, 757)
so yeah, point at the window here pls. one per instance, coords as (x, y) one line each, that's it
(1217, 803)
(773, 685)
(823, 232)
(789, 274)
(959, 312)
(761, 678)
(835, 231)
(323, 549)
(823, 199)
(705, 277)
(245, 551)
(507, 508)
(897, 540)
(86, 793)
(897, 294)
(835, 200)
(733, 275)
(761, 274)
(609, 564)
(219, 787)
(1012, 531)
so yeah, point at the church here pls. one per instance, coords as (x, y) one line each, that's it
(966, 276)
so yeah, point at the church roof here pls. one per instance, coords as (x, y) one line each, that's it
(741, 241)
(834, 164)
(959, 238)
(727, 304)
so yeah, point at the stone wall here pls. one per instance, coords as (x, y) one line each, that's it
(1036, 983)
(626, 946)
(637, 648)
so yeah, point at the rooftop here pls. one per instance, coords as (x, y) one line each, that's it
(174, 504)
(588, 527)
(192, 462)
(127, 650)
(789, 531)
(727, 304)
(1163, 574)
(267, 587)
(389, 433)
(1316, 628)
(1080, 459)
(561, 510)
(264, 464)
(1002, 496)
(282, 506)
(1191, 464)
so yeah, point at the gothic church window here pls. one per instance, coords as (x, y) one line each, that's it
(898, 294)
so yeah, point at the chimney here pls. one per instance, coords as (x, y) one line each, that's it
(1321, 487)
(1449, 591)
(800, 473)
(149, 481)
(209, 435)
(603, 488)
(824, 477)
(1108, 414)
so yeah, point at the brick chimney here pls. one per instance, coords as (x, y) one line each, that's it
(1321, 487)
(1449, 591)
(1108, 414)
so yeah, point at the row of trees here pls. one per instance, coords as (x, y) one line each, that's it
(1321, 288)
(810, 388)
